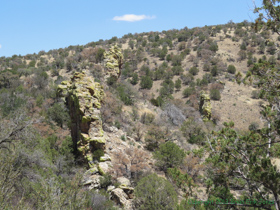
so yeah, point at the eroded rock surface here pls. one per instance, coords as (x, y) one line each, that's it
(113, 62)
(83, 98)
(205, 106)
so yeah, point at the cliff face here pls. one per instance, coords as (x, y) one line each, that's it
(83, 98)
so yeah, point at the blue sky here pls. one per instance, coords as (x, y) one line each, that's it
(28, 26)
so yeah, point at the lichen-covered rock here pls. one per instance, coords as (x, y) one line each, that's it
(121, 198)
(105, 158)
(129, 191)
(103, 168)
(205, 106)
(92, 181)
(123, 181)
(113, 62)
(83, 98)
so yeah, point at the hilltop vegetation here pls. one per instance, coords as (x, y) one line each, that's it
(155, 106)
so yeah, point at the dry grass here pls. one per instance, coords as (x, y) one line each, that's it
(236, 105)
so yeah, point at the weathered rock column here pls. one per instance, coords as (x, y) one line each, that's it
(205, 106)
(83, 98)
(113, 62)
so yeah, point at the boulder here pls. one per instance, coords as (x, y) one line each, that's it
(110, 188)
(128, 190)
(93, 181)
(103, 168)
(121, 198)
(123, 181)
(104, 158)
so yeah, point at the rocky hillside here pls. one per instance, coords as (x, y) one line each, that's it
(88, 128)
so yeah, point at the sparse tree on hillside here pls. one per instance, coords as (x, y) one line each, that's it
(169, 155)
(178, 84)
(153, 192)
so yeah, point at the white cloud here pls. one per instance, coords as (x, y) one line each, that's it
(133, 18)
(0, 46)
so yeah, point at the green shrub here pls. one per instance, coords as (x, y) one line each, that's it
(178, 84)
(214, 71)
(123, 137)
(188, 91)
(177, 70)
(98, 153)
(154, 137)
(117, 124)
(111, 81)
(215, 94)
(157, 102)
(155, 193)
(59, 114)
(231, 69)
(125, 94)
(193, 132)
(146, 82)
(11, 102)
(169, 155)
(147, 118)
(194, 71)
(39, 100)
(134, 79)
(105, 180)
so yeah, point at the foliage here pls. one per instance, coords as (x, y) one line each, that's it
(231, 69)
(186, 79)
(105, 180)
(59, 114)
(147, 118)
(146, 82)
(271, 16)
(169, 155)
(177, 70)
(242, 162)
(11, 102)
(41, 79)
(178, 84)
(8, 79)
(157, 101)
(126, 94)
(194, 71)
(193, 132)
(188, 91)
(183, 181)
(167, 88)
(214, 71)
(154, 137)
(153, 192)
(215, 94)
(134, 79)
(111, 81)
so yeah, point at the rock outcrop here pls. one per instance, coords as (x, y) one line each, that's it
(205, 107)
(83, 98)
(113, 62)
